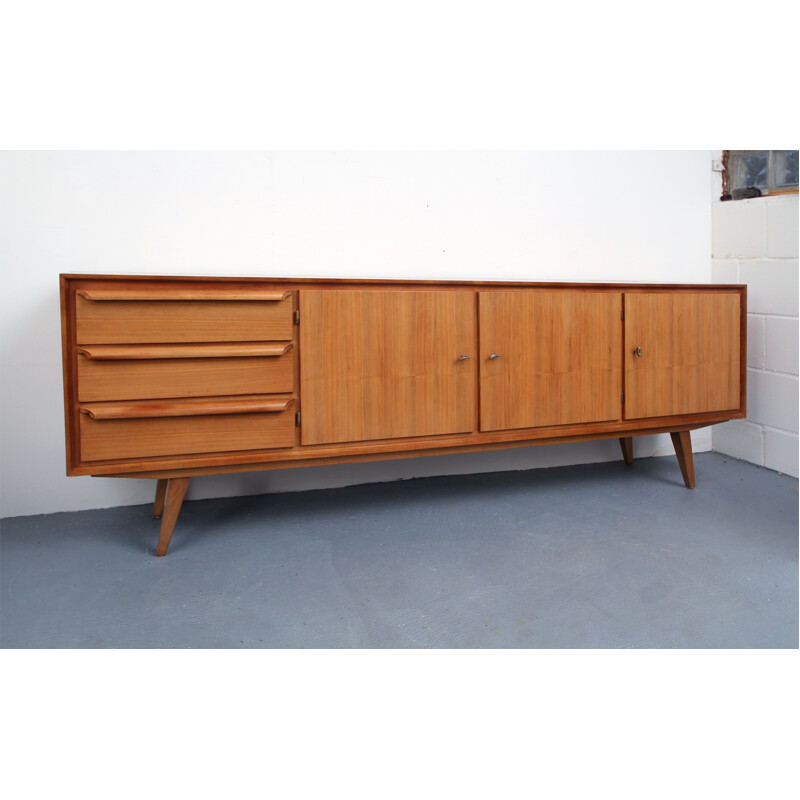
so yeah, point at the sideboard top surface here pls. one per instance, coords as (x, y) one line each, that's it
(394, 282)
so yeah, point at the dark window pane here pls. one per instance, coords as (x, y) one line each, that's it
(750, 168)
(784, 168)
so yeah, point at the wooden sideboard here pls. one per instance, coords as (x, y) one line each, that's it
(171, 378)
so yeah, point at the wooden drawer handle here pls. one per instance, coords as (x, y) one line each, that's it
(264, 295)
(138, 352)
(186, 408)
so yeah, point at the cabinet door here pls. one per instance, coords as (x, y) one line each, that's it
(557, 358)
(385, 364)
(682, 353)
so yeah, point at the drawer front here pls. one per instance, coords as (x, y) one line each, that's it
(100, 321)
(140, 379)
(115, 439)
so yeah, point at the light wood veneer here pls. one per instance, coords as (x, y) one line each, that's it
(116, 321)
(554, 358)
(384, 365)
(133, 372)
(170, 378)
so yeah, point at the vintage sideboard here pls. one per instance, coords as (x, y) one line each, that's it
(175, 377)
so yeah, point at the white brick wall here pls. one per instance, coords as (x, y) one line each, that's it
(756, 242)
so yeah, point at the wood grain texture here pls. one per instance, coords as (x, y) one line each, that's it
(230, 458)
(378, 365)
(147, 352)
(143, 321)
(318, 455)
(93, 280)
(175, 492)
(161, 493)
(558, 358)
(170, 378)
(236, 465)
(183, 407)
(107, 439)
(200, 293)
(690, 353)
(133, 379)
(682, 442)
(69, 375)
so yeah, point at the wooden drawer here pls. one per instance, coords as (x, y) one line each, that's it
(140, 372)
(123, 316)
(114, 431)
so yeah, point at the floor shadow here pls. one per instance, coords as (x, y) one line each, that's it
(203, 518)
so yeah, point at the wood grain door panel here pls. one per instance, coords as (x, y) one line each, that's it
(558, 358)
(385, 364)
(690, 353)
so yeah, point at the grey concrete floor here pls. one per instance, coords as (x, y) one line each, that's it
(594, 556)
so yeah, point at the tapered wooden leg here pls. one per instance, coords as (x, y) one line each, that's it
(682, 442)
(176, 490)
(626, 443)
(161, 491)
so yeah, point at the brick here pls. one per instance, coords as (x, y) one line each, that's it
(780, 452)
(772, 286)
(738, 229)
(772, 400)
(781, 344)
(740, 439)
(755, 342)
(724, 271)
(782, 227)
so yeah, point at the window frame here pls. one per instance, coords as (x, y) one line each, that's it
(727, 193)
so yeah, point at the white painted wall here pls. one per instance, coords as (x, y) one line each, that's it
(603, 216)
(756, 242)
